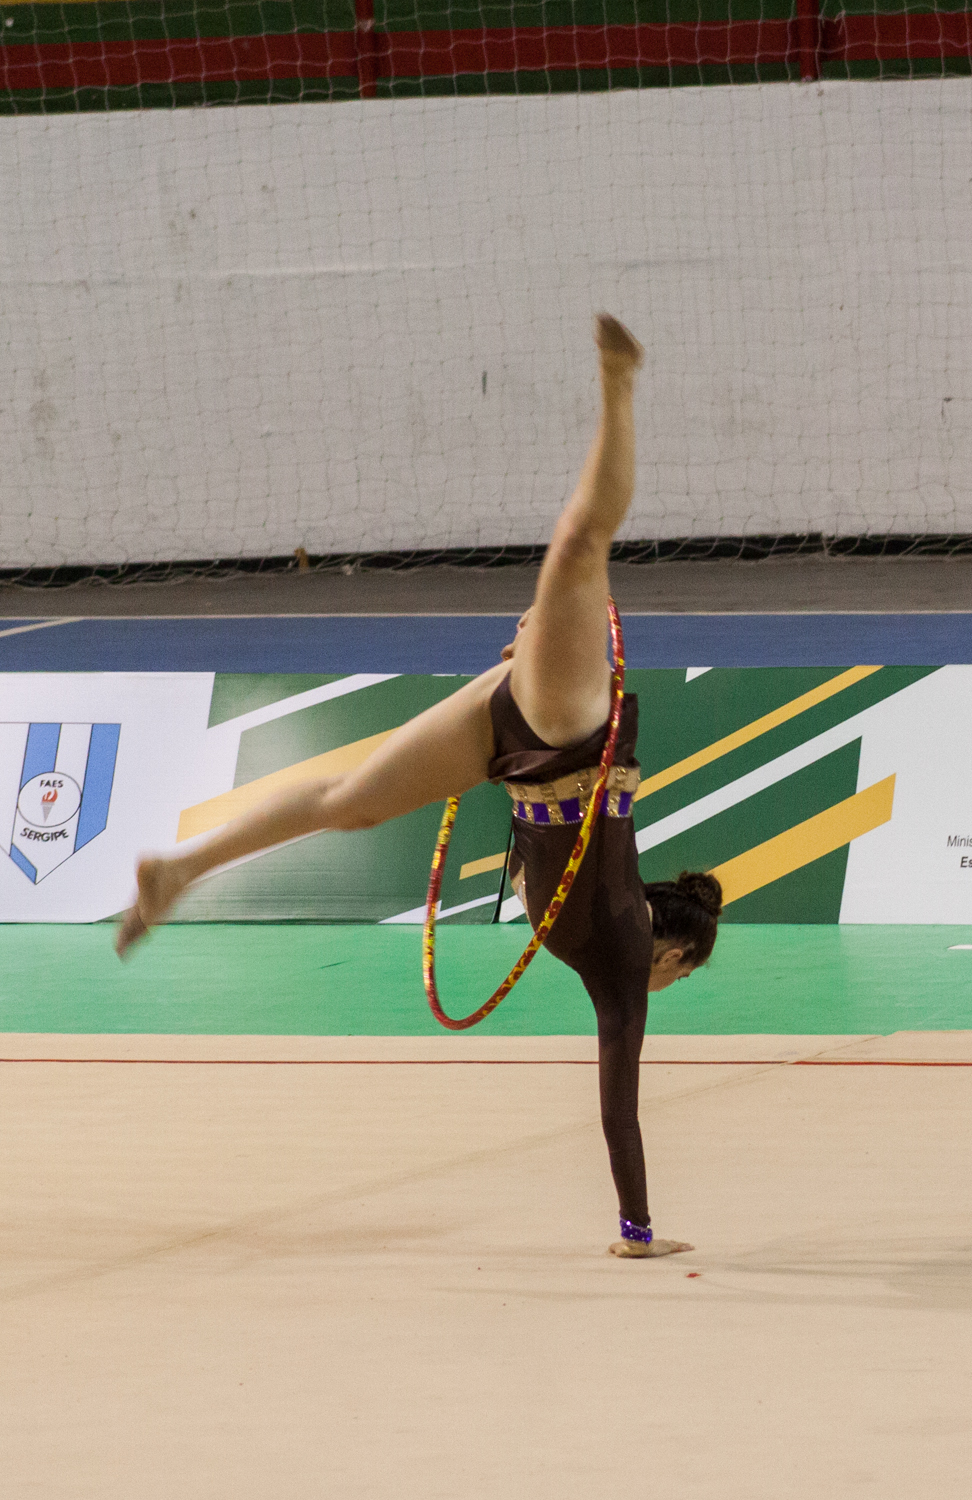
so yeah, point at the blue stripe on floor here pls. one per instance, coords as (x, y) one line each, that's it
(471, 643)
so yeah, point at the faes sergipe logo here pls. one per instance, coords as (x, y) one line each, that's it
(65, 789)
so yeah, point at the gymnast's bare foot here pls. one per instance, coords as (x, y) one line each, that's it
(637, 1250)
(160, 883)
(620, 351)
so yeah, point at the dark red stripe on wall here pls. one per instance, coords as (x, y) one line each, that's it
(406, 54)
(882, 38)
(72, 65)
(377, 56)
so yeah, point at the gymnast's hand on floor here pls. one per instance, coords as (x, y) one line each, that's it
(637, 1250)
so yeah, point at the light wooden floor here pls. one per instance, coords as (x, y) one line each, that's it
(390, 1280)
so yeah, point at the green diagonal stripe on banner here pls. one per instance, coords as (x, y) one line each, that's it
(679, 718)
(770, 812)
(340, 721)
(236, 693)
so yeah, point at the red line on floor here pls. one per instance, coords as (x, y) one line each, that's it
(873, 1062)
(492, 1062)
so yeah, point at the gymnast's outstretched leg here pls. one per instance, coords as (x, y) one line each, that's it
(442, 753)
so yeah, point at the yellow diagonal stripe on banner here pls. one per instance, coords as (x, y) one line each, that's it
(206, 816)
(752, 731)
(806, 842)
(480, 866)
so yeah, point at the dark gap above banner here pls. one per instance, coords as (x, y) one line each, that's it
(750, 547)
(468, 643)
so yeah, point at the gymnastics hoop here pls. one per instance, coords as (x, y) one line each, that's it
(566, 881)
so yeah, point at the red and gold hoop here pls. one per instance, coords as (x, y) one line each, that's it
(567, 880)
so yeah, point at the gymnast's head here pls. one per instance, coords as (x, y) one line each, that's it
(685, 922)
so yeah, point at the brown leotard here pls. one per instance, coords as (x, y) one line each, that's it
(604, 929)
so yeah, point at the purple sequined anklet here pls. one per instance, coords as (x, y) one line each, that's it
(632, 1231)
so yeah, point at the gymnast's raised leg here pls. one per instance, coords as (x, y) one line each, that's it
(561, 681)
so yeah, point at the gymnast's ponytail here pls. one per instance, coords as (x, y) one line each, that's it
(685, 913)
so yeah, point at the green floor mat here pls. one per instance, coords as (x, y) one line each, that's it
(364, 980)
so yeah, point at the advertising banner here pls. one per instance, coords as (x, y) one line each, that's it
(818, 795)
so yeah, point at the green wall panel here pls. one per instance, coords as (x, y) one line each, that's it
(161, 20)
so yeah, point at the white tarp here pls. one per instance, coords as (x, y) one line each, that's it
(365, 325)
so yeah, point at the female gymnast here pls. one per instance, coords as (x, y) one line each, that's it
(536, 721)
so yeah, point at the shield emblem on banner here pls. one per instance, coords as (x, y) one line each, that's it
(66, 776)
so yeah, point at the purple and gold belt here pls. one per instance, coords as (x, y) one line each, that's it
(565, 801)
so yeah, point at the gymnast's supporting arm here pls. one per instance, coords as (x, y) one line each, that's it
(621, 1010)
(620, 1030)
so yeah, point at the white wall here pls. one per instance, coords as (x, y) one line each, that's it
(232, 331)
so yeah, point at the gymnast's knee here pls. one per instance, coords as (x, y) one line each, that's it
(344, 809)
(578, 545)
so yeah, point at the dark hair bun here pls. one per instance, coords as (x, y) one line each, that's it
(703, 889)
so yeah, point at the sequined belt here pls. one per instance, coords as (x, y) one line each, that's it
(566, 799)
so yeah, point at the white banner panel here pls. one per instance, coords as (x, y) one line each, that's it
(94, 769)
(918, 866)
